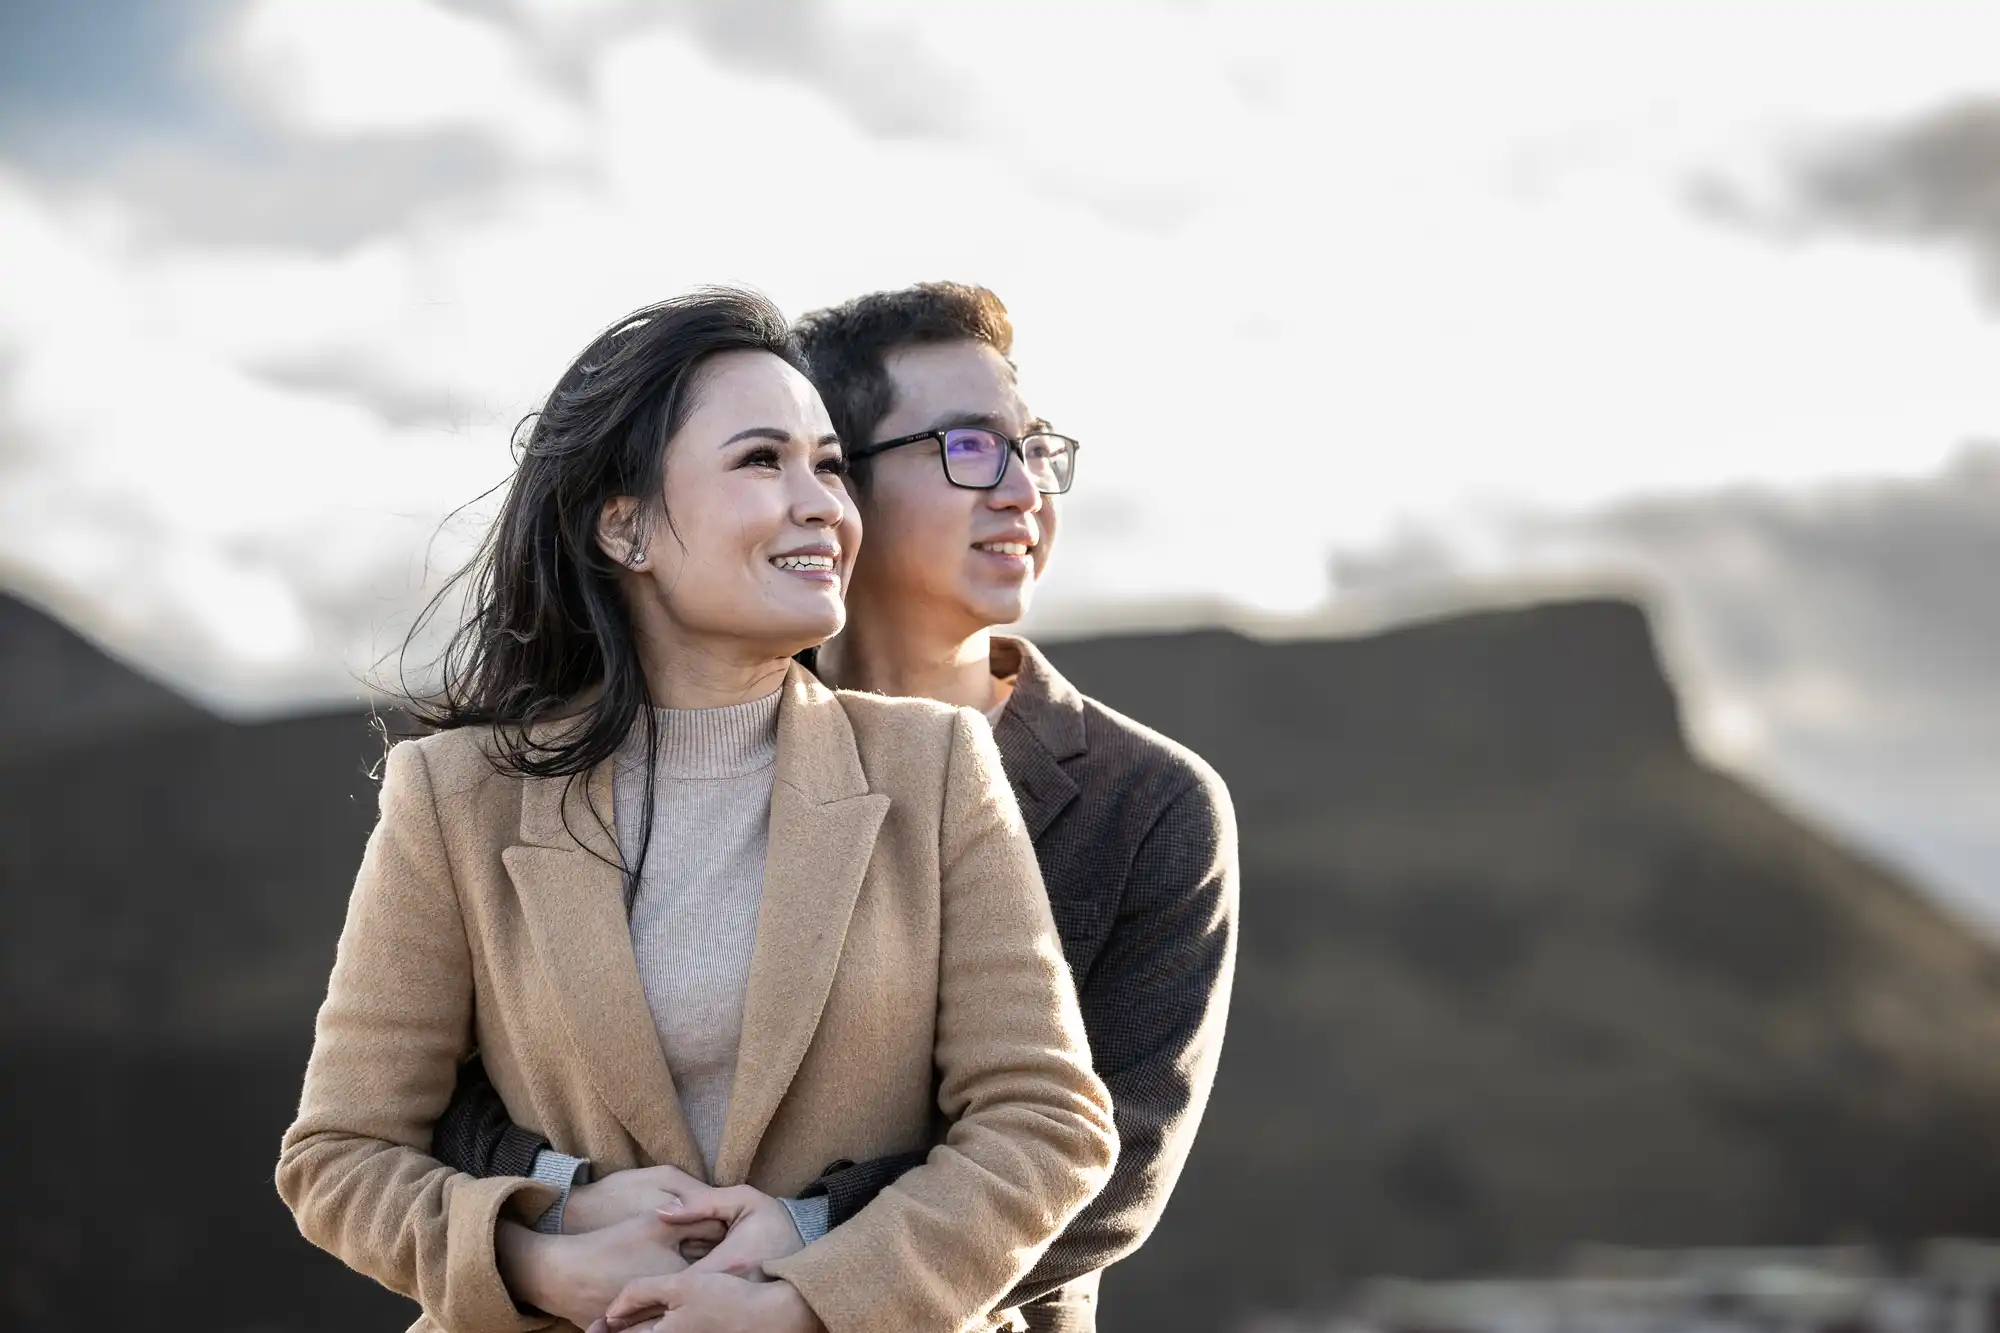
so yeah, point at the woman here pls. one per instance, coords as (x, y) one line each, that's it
(693, 908)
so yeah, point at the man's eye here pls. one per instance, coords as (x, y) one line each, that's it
(971, 444)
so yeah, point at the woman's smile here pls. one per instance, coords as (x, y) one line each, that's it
(818, 563)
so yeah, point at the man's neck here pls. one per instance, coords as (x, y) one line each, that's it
(902, 660)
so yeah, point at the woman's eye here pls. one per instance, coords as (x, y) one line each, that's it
(760, 458)
(833, 467)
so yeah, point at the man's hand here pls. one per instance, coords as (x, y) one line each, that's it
(624, 1195)
(577, 1277)
(760, 1228)
(708, 1303)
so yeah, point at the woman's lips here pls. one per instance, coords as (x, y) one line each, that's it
(815, 567)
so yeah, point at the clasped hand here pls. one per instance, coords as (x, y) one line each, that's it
(729, 1232)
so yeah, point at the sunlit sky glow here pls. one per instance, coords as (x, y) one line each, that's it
(1305, 277)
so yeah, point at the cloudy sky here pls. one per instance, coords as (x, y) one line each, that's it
(1700, 294)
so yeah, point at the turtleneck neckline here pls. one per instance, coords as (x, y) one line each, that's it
(726, 742)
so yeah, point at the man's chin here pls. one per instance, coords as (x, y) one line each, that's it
(996, 609)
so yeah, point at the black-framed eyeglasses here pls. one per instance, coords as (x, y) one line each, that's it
(976, 458)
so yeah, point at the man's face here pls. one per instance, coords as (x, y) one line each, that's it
(932, 546)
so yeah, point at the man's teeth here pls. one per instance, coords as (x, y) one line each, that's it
(823, 563)
(1005, 548)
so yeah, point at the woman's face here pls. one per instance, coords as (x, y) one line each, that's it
(752, 557)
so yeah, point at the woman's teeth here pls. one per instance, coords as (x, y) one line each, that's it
(820, 563)
(1004, 548)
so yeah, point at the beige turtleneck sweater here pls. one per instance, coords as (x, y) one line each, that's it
(694, 917)
(694, 909)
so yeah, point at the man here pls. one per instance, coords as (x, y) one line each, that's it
(956, 481)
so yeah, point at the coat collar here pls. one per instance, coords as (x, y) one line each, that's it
(1041, 727)
(566, 870)
(824, 821)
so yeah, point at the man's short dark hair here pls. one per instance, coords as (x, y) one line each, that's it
(847, 346)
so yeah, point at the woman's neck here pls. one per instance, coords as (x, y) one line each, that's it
(889, 658)
(687, 674)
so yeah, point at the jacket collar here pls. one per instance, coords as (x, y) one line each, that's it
(1041, 727)
(566, 870)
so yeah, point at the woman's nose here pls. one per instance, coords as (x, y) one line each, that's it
(813, 501)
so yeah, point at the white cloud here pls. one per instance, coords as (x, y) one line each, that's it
(376, 67)
(176, 503)
(1298, 275)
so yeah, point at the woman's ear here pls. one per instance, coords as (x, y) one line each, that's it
(621, 531)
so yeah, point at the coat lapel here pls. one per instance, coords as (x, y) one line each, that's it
(1041, 788)
(1041, 727)
(824, 822)
(571, 889)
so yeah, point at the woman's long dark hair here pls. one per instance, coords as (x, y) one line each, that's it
(547, 634)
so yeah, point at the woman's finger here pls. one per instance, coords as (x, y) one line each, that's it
(726, 1202)
(708, 1208)
(723, 1260)
(643, 1318)
(645, 1296)
(709, 1229)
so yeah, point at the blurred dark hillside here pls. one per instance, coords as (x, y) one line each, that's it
(171, 887)
(62, 691)
(1517, 971)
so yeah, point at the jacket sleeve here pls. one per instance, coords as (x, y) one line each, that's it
(355, 1167)
(1030, 1137)
(475, 1135)
(1155, 1003)
(851, 1186)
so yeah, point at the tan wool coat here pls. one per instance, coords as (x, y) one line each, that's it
(906, 976)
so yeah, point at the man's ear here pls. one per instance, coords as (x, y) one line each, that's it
(621, 531)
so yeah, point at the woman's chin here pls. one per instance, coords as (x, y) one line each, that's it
(811, 631)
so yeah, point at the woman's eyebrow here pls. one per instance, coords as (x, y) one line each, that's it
(758, 433)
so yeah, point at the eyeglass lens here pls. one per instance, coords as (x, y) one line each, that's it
(978, 458)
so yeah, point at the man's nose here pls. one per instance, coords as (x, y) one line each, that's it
(1016, 489)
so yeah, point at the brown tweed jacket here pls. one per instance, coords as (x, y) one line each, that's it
(906, 968)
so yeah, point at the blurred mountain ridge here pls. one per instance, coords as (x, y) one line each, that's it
(64, 690)
(1517, 972)
(1520, 972)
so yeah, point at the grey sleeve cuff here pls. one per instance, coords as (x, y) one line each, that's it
(809, 1216)
(565, 1173)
